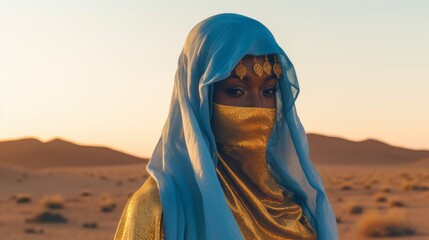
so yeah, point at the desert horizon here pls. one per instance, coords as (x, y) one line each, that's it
(61, 189)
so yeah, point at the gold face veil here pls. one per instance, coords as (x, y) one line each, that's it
(260, 205)
(242, 131)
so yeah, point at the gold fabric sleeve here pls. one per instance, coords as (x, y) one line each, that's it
(142, 215)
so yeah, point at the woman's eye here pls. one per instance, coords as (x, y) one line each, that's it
(270, 92)
(235, 92)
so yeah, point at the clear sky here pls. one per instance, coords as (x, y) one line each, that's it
(101, 72)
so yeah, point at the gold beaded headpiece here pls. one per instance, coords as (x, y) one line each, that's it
(259, 69)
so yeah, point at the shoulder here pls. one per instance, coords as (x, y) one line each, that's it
(142, 215)
(147, 195)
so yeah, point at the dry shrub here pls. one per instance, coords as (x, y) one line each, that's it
(48, 217)
(380, 198)
(53, 202)
(367, 186)
(90, 225)
(85, 193)
(354, 208)
(107, 204)
(396, 203)
(104, 177)
(392, 224)
(414, 186)
(23, 198)
(346, 187)
(34, 231)
(386, 189)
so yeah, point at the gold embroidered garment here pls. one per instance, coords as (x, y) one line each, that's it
(259, 204)
(142, 215)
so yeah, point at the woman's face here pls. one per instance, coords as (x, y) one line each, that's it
(252, 91)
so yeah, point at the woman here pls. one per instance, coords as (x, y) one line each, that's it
(233, 158)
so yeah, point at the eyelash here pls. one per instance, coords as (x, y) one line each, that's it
(274, 90)
(233, 92)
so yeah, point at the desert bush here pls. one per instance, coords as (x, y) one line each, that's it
(53, 202)
(392, 224)
(346, 187)
(22, 198)
(386, 189)
(396, 203)
(107, 204)
(48, 217)
(380, 197)
(354, 208)
(104, 177)
(85, 193)
(90, 225)
(34, 231)
(414, 186)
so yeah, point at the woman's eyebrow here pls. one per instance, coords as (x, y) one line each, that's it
(272, 76)
(233, 75)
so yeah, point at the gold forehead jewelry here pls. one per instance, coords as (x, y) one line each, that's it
(241, 70)
(267, 66)
(277, 67)
(258, 69)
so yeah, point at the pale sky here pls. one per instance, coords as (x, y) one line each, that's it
(101, 72)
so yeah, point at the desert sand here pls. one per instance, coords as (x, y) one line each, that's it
(91, 198)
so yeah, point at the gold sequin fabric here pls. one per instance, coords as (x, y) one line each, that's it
(259, 204)
(142, 215)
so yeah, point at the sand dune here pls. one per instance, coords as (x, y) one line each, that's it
(335, 150)
(32, 153)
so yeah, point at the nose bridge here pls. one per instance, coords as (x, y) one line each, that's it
(256, 100)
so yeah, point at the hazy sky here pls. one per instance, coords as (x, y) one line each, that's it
(101, 72)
